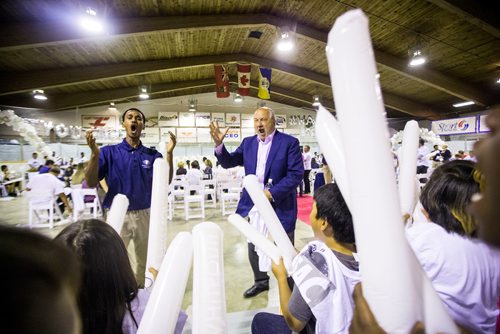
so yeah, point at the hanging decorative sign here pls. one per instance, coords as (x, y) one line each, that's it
(219, 117)
(94, 121)
(233, 135)
(186, 119)
(232, 119)
(202, 119)
(482, 127)
(186, 135)
(281, 121)
(168, 118)
(455, 126)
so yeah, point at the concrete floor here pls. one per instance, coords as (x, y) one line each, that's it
(237, 271)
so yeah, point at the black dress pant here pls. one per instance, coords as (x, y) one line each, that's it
(307, 183)
(261, 278)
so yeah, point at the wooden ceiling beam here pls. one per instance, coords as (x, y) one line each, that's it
(477, 13)
(38, 34)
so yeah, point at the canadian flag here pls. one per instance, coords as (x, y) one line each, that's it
(222, 80)
(244, 79)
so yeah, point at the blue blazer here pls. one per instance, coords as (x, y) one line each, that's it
(284, 167)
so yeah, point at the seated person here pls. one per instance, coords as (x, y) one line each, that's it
(329, 260)
(46, 167)
(446, 248)
(207, 172)
(194, 175)
(79, 175)
(34, 163)
(12, 188)
(180, 170)
(46, 186)
(110, 300)
(41, 286)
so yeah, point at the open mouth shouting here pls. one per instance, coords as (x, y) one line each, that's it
(133, 129)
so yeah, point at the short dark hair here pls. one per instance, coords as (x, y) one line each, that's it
(109, 285)
(421, 141)
(37, 273)
(4, 167)
(447, 195)
(49, 162)
(331, 207)
(134, 109)
(195, 164)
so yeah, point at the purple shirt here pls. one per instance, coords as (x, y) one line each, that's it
(128, 171)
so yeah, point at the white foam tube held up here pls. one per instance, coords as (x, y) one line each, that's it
(157, 239)
(271, 220)
(330, 143)
(408, 168)
(164, 304)
(117, 212)
(209, 298)
(255, 237)
(392, 276)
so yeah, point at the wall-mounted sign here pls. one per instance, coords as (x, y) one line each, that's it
(150, 136)
(220, 118)
(246, 121)
(164, 135)
(281, 121)
(168, 118)
(203, 135)
(202, 119)
(186, 119)
(186, 135)
(455, 126)
(232, 119)
(482, 127)
(93, 121)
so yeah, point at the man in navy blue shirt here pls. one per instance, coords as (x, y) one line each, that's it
(128, 169)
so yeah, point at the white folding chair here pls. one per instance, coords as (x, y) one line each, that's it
(177, 192)
(229, 198)
(43, 211)
(209, 190)
(196, 197)
(81, 208)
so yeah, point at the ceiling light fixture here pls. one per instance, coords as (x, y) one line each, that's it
(498, 81)
(237, 98)
(463, 104)
(39, 95)
(316, 101)
(285, 43)
(417, 58)
(90, 21)
(112, 107)
(192, 104)
(143, 92)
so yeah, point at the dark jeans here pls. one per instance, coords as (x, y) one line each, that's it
(307, 183)
(261, 278)
(268, 323)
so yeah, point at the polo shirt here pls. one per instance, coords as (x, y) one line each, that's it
(128, 171)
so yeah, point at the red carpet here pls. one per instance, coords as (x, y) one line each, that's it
(304, 204)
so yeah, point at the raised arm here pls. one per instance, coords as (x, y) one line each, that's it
(170, 154)
(92, 170)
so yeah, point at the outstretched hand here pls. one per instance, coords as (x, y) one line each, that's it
(217, 135)
(171, 144)
(89, 136)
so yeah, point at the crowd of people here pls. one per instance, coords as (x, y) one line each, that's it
(84, 280)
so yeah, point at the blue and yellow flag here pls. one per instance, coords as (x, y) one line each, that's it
(264, 83)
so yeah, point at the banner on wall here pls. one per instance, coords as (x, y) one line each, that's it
(93, 121)
(222, 80)
(203, 135)
(186, 135)
(186, 119)
(281, 121)
(168, 118)
(150, 136)
(244, 79)
(164, 136)
(220, 118)
(482, 127)
(247, 132)
(202, 119)
(232, 119)
(246, 121)
(455, 126)
(233, 135)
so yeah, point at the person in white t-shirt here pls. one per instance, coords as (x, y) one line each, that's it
(34, 163)
(46, 186)
(307, 158)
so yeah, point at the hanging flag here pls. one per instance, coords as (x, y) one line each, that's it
(222, 80)
(244, 79)
(264, 83)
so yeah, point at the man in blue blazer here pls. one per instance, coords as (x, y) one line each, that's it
(275, 158)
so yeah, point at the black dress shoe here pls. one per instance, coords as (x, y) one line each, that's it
(255, 290)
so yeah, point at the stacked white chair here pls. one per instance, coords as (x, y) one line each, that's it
(198, 196)
(209, 189)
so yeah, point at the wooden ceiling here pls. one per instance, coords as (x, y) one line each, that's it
(173, 45)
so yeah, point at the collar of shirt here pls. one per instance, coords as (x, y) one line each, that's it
(268, 138)
(126, 146)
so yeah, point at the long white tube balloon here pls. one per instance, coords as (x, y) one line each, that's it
(330, 143)
(117, 212)
(270, 218)
(164, 304)
(408, 168)
(392, 276)
(157, 239)
(255, 237)
(209, 298)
